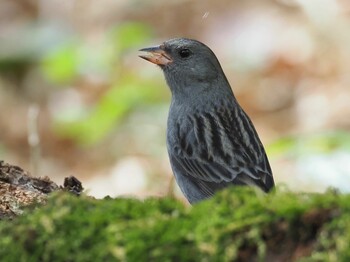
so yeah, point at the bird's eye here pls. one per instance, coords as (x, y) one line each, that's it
(185, 53)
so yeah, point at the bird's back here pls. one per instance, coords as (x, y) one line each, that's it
(214, 146)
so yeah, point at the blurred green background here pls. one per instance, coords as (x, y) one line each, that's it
(75, 98)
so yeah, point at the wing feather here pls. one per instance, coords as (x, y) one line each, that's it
(225, 149)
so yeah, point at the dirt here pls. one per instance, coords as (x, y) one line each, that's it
(19, 189)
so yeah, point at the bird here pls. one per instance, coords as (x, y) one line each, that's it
(212, 143)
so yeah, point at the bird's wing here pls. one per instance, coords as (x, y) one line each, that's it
(219, 173)
(223, 147)
(207, 183)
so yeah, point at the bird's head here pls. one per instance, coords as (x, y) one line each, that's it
(185, 62)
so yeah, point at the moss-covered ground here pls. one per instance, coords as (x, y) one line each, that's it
(238, 224)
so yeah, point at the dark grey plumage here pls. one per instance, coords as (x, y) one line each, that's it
(211, 141)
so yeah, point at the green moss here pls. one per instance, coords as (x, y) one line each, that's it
(237, 224)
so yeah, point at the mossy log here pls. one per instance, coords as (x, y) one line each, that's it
(238, 224)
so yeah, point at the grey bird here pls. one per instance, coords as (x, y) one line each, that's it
(212, 143)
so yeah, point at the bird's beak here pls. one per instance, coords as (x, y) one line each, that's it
(156, 55)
